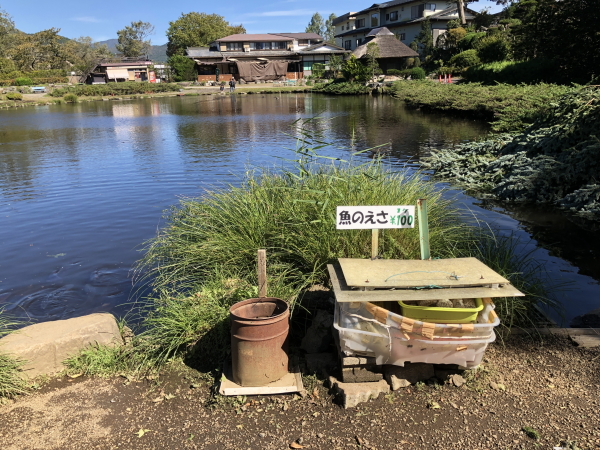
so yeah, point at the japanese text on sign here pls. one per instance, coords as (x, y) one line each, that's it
(369, 217)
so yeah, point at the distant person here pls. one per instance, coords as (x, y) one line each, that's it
(222, 86)
(232, 84)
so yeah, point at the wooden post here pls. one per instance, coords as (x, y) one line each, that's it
(374, 243)
(423, 228)
(262, 273)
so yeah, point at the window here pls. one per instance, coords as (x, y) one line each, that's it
(342, 27)
(234, 46)
(374, 20)
(347, 45)
(302, 42)
(279, 45)
(360, 23)
(392, 17)
(401, 36)
(358, 42)
(416, 11)
(430, 7)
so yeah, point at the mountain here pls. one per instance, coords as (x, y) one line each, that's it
(158, 53)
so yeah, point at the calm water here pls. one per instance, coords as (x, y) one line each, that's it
(83, 186)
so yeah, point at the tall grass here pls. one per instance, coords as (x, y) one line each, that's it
(11, 383)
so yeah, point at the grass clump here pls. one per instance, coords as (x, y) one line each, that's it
(71, 98)
(11, 383)
(342, 88)
(507, 107)
(14, 96)
(531, 433)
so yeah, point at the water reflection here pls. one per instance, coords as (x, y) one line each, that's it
(83, 186)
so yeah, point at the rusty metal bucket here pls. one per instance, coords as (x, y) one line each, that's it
(259, 331)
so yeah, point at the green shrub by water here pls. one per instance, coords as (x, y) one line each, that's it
(342, 88)
(507, 107)
(70, 98)
(513, 72)
(555, 161)
(465, 59)
(23, 81)
(417, 73)
(126, 88)
(14, 96)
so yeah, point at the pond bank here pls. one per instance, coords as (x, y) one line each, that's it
(551, 389)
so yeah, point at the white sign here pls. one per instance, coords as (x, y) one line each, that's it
(369, 217)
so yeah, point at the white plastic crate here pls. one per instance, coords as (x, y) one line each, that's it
(391, 345)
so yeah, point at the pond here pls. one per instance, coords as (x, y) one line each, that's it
(83, 186)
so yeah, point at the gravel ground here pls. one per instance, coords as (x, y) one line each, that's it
(550, 386)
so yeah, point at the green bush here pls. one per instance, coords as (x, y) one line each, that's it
(394, 72)
(71, 98)
(417, 73)
(14, 96)
(465, 59)
(343, 88)
(23, 81)
(470, 40)
(514, 72)
(126, 88)
(493, 48)
(509, 108)
(6, 66)
(184, 68)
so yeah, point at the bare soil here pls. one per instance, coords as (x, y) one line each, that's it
(552, 387)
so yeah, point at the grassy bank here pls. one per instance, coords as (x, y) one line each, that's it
(506, 107)
(11, 384)
(127, 88)
(555, 161)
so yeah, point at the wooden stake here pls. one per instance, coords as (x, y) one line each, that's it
(262, 273)
(374, 243)
(423, 228)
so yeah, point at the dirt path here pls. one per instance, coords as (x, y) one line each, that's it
(552, 387)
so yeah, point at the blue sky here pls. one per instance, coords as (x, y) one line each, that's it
(102, 19)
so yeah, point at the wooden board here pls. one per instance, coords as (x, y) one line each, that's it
(291, 382)
(344, 293)
(402, 273)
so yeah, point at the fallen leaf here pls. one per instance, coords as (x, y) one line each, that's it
(169, 396)
(158, 399)
(316, 414)
(75, 375)
(316, 393)
(433, 405)
(239, 426)
(501, 387)
(296, 445)
(142, 432)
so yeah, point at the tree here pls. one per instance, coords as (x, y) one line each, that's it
(7, 32)
(133, 40)
(316, 25)
(198, 30)
(84, 54)
(183, 68)
(38, 51)
(330, 29)
(425, 40)
(335, 64)
(354, 70)
(371, 56)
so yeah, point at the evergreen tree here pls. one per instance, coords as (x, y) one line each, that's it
(316, 25)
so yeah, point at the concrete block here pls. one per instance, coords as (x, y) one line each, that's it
(354, 393)
(44, 346)
(357, 360)
(399, 377)
(360, 374)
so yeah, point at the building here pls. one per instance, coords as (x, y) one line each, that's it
(262, 57)
(121, 69)
(391, 51)
(402, 17)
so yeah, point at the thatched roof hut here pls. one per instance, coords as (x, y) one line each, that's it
(391, 50)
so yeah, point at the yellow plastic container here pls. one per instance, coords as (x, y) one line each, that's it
(442, 315)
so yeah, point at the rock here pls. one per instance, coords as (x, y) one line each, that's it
(588, 320)
(354, 393)
(457, 380)
(321, 363)
(360, 374)
(44, 346)
(411, 373)
(318, 337)
(587, 341)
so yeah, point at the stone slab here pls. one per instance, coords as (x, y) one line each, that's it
(44, 346)
(354, 393)
(587, 341)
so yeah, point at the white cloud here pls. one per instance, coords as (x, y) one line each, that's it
(291, 12)
(87, 19)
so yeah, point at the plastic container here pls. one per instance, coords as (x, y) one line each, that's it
(352, 315)
(390, 345)
(435, 314)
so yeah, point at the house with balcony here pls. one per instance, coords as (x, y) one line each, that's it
(262, 57)
(402, 17)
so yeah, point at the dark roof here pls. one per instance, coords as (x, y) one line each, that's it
(343, 18)
(389, 45)
(254, 37)
(311, 36)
